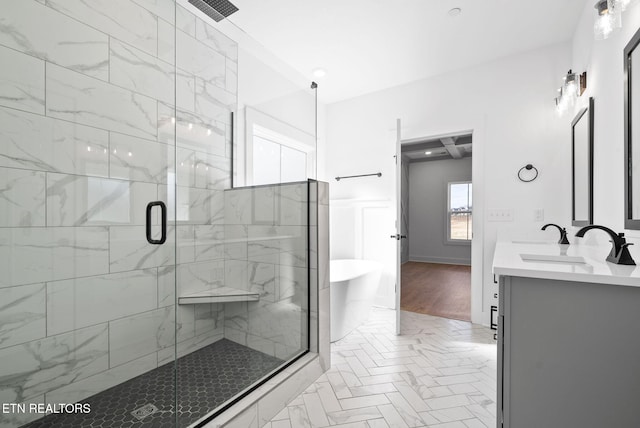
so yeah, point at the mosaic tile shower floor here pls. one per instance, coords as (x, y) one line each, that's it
(206, 379)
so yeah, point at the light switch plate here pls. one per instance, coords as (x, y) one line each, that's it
(538, 214)
(501, 215)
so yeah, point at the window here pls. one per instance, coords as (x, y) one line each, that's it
(276, 152)
(277, 163)
(459, 212)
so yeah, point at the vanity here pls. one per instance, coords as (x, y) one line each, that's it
(568, 337)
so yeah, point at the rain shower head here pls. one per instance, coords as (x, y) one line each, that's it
(216, 9)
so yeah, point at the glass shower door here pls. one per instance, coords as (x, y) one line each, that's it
(87, 283)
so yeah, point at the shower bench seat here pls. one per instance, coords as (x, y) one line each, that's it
(219, 295)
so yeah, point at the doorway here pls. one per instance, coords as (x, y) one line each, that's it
(437, 212)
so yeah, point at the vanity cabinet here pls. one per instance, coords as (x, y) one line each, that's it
(568, 354)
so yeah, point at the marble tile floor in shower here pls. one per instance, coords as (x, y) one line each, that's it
(206, 378)
(438, 373)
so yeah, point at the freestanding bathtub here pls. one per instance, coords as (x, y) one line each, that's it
(354, 284)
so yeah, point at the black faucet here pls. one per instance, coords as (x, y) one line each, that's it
(563, 233)
(620, 252)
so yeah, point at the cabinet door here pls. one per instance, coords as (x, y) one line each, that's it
(571, 356)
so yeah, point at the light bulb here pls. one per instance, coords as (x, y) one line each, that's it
(603, 27)
(319, 72)
(571, 87)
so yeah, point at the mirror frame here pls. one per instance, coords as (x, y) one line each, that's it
(588, 111)
(629, 221)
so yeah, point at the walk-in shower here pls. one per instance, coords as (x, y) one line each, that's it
(138, 285)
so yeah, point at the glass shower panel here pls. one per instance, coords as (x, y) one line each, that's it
(206, 97)
(256, 312)
(243, 269)
(277, 268)
(279, 109)
(87, 312)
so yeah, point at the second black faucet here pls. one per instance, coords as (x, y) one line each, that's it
(619, 252)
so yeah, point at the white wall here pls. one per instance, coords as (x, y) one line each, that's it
(508, 104)
(603, 60)
(428, 196)
(356, 233)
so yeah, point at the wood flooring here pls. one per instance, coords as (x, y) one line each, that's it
(436, 289)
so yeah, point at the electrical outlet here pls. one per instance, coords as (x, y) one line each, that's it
(501, 215)
(538, 214)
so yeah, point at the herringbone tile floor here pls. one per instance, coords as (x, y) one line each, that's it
(439, 373)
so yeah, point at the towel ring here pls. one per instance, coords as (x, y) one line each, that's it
(528, 167)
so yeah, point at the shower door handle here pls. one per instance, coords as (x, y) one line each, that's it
(163, 231)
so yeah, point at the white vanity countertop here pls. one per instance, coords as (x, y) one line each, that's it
(507, 260)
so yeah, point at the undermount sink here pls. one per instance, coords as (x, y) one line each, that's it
(552, 258)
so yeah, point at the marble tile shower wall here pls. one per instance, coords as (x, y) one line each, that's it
(91, 95)
(270, 256)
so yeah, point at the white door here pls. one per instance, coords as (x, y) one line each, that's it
(398, 233)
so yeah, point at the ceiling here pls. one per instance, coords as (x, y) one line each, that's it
(423, 150)
(369, 45)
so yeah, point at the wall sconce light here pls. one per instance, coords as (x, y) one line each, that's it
(609, 17)
(574, 84)
(572, 87)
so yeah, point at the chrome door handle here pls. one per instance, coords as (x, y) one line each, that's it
(398, 237)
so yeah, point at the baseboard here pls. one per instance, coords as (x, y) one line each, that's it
(443, 260)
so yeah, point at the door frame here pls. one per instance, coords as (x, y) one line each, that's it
(478, 315)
